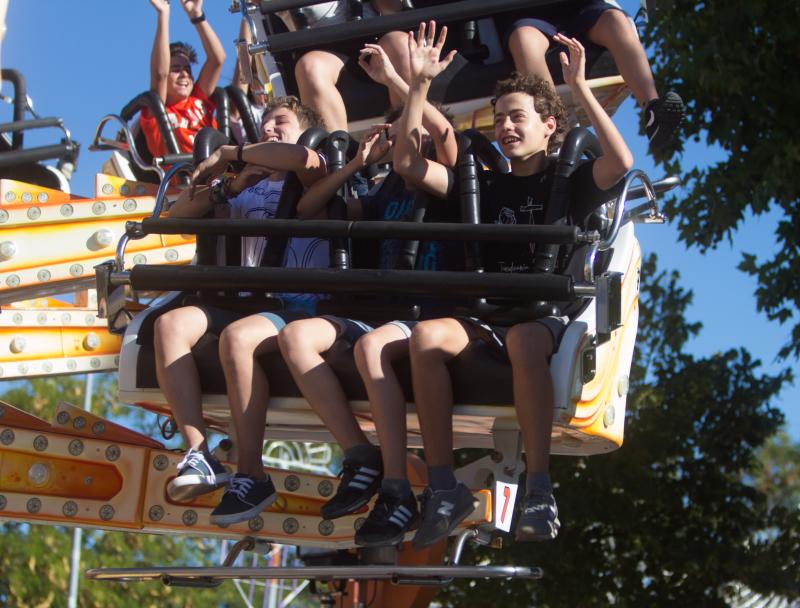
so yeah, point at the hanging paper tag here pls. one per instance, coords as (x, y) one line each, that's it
(505, 496)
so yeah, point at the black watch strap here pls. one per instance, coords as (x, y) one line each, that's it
(200, 19)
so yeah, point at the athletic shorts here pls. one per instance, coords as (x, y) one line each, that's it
(351, 329)
(219, 318)
(495, 335)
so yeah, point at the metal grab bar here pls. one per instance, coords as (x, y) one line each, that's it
(119, 258)
(101, 144)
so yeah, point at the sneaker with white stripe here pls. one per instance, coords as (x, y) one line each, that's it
(244, 498)
(358, 485)
(442, 511)
(198, 473)
(389, 520)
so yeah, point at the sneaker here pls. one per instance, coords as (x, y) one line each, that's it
(539, 519)
(389, 520)
(244, 498)
(198, 473)
(662, 117)
(442, 511)
(358, 485)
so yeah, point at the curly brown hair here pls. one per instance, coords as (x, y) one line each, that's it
(545, 101)
(307, 117)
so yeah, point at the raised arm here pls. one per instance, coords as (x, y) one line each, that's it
(314, 200)
(159, 58)
(215, 54)
(376, 63)
(617, 158)
(425, 66)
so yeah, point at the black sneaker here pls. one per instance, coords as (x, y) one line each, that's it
(358, 485)
(389, 520)
(442, 511)
(244, 498)
(539, 519)
(662, 117)
(198, 474)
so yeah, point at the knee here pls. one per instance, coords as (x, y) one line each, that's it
(368, 351)
(529, 342)
(291, 338)
(169, 329)
(314, 69)
(528, 40)
(612, 26)
(427, 339)
(235, 343)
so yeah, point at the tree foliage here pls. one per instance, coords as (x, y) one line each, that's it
(674, 516)
(733, 63)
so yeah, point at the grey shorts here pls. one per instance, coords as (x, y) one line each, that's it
(352, 329)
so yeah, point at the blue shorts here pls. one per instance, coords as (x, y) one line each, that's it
(351, 329)
(573, 19)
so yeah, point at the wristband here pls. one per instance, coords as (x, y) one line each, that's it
(239, 152)
(200, 19)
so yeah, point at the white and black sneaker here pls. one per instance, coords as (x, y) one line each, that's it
(442, 511)
(662, 118)
(539, 519)
(389, 520)
(198, 473)
(244, 498)
(358, 485)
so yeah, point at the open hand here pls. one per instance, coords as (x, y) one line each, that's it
(574, 67)
(371, 149)
(161, 6)
(376, 63)
(423, 54)
(193, 8)
(212, 167)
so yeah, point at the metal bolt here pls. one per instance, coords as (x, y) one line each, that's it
(75, 447)
(41, 318)
(12, 280)
(91, 341)
(67, 210)
(98, 428)
(325, 527)
(129, 204)
(34, 213)
(17, 345)
(99, 208)
(79, 422)
(3, 216)
(623, 384)
(70, 508)
(106, 512)
(22, 368)
(124, 189)
(27, 197)
(112, 452)
(89, 319)
(7, 437)
(256, 524)
(76, 270)
(43, 275)
(39, 474)
(88, 480)
(40, 443)
(325, 488)
(100, 239)
(608, 416)
(160, 462)
(47, 367)
(72, 365)
(107, 189)
(34, 505)
(189, 517)
(17, 318)
(171, 255)
(140, 189)
(291, 483)
(290, 525)
(42, 197)
(140, 259)
(3, 502)
(358, 523)
(94, 362)
(156, 513)
(8, 249)
(66, 318)
(10, 196)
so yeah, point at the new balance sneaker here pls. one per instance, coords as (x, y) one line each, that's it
(358, 485)
(539, 519)
(244, 498)
(442, 511)
(662, 117)
(198, 474)
(389, 520)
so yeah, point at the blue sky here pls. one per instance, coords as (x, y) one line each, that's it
(83, 60)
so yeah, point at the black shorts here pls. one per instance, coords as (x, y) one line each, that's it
(219, 318)
(495, 335)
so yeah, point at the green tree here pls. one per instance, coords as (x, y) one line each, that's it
(674, 515)
(733, 63)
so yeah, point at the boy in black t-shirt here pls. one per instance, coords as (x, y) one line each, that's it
(527, 120)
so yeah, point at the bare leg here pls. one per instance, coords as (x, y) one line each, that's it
(396, 46)
(302, 344)
(529, 345)
(528, 47)
(248, 389)
(316, 73)
(614, 32)
(433, 344)
(176, 332)
(374, 354)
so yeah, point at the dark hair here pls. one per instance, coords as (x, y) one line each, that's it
(185, 49)
(394, 113)
(545, 101)
(307, 117)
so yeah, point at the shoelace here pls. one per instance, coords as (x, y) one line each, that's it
(239, 486)
(190, 459)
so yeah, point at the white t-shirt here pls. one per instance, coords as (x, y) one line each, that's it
(325, 13)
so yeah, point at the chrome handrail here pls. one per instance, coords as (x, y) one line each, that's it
(100, 143)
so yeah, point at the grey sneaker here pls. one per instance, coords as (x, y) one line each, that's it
(198, 474)
(244, 498)
(539, 519)
(442, 511)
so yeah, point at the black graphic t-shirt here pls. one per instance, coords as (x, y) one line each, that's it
(510, 199)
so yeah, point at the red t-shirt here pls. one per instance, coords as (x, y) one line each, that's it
(187, 118)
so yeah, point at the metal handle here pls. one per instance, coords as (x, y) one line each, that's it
(100, 143)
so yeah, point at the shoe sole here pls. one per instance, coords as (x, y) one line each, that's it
(524, 537)
(350, 510)
(457, 520)
(185, 488)
(384, 542)
(235, 518)
(669, 117)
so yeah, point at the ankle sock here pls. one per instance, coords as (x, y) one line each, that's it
(366, 454)
(441, 477)
(396, 488)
